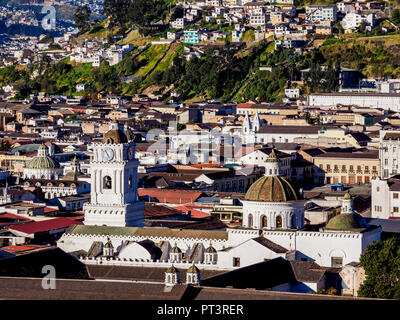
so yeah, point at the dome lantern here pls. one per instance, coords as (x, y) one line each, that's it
(172, 276)
(193, 275)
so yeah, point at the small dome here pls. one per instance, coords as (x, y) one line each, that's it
(344, 221)
(175, 249)
(211, 249)
(347, 196)
(75, 161)
(108, 244)
(72, 176)
(272, 189)
(41, 162)
(193, 269)
(272, 157)
(115, 136)
(42, 147)
(172, 269)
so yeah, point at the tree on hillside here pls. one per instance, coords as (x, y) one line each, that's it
(142, 12)
(82, 17)
(381, 262)
(363, 26)
(396, 16)
(116, 10)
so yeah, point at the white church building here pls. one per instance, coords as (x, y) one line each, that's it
(273, 224)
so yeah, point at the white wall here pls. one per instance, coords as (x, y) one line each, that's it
(249, 252)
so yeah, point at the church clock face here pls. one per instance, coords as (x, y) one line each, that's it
(107, 154)
(130, 153)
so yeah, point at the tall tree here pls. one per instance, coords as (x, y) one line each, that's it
(81, 17)
(381, 262)
(116, 11)
(396, 16)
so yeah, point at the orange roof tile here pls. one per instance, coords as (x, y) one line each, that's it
(171, 196)
(193, 212)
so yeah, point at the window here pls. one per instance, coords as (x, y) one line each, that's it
(351, 168)
(279, 222)
(263, 222)
(336, 262)
(107, 182)
(395, 195)
(236, 262)
(395, 209)
(250, 220)
(293, 221)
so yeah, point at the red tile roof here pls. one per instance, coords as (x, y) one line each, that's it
(12, 216)
(13, 249)
(46, 225)
(193, 212)
(154, 210)
(206, 165)
(244, 105)
(171, 196)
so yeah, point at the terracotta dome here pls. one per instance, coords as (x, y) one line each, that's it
(115, 136)
(344, 221)
(272, 189)
(72, 176)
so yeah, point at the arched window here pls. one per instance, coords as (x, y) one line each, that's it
(263, 221)
(107, 182)
(43, 176)
(293, 221)
(279, 222)
(250, 220)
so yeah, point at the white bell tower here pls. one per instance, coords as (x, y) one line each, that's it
(113, 196)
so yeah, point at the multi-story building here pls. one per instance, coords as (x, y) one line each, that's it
(344, 167)
(317, 13)
(191, 36)
(385, 198)
(178, 23)
(257, 20)
(389, 153)
(354, 20)
(276, 18)
(345, 7)
(387, 101)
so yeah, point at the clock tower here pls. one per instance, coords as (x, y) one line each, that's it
(113, 196)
